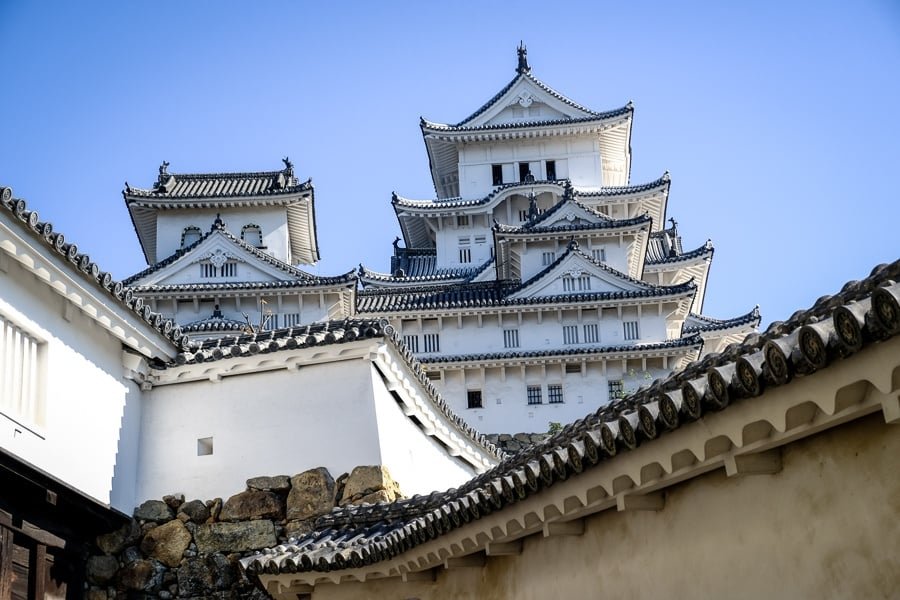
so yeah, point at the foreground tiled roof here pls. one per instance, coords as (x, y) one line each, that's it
(214, 324)
(663, 246)
(423, 269)
(699, 323)
(835, 327)
(324, 334)
(89, 270)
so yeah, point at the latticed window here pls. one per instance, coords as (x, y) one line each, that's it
(465, 250)
(432, 342)
(570, 334)
(581, 283)
(599, 254)
(554, 393)
(616, 389)
(631, 330)
(591, 333)
(209, 270)
(510, 338)
(20, 356)
(474, 399)
(548, 258)
(412, 342)
(534, 394)
(462, 220)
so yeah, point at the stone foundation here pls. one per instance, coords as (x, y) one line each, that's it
(174, 548)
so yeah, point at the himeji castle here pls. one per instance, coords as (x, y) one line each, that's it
(541, 283)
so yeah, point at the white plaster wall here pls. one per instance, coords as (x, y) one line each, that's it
(448, 244)
(577, 157)
(272, 221)
(85, 394)
(232, 307)
(273, 423)
(417, 462)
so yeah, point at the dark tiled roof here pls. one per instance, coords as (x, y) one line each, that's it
(837, 326)
(656, 245)
(218, 226)
(594, 118)
(322, 334)
(399, 201)
(88, 269)
(663, 245)
(701, 323)
(424, 270)
(602, 222)
(221, 185)
(347, 279)
(684, 342)
(214, 324)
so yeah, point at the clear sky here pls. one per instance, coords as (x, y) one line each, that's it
(778, 121)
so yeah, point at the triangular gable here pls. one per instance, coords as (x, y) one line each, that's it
(567, 213)
(217, 248)
(525, 100)
(576, 273)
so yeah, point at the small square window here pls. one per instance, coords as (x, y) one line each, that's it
(616, 389)
(534, 394)
(555, 393)
(474, 399)
(204, 446)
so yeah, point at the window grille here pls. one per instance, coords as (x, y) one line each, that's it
(291, 319)
(616, 389)
(412, 342)
(631, 330)
(20, 356)
(432, 342)
(591, 333)
(474, 399)
(548, 258)
(480, 239)
(462, 220)
(510, 338)
(599, 254)
(465, 255)
(208, 270)
(554, 393)
(523, 215)
(573, 368)
(534, 394)
(570, 334)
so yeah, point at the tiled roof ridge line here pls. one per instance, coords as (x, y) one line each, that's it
(90, 270)
(866, 313)
(707, 247)
(442, 127)
(753, 313)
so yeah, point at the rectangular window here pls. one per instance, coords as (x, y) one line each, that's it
(497, 174)
(524, 171)
(433, 375)
(465, 255)
(412, 342)
(580, 284)
(510, 338)
(551, 170)
(548, 258)
(474, 399)
(570, 334)
(554, 393)
(616, 389)
(573, 368)
(462, 220)
(271, 321)
(209, 270)
(291, 319)
(480, 239)
(229, 269)
(20, 394)
(591, 333)
(534, 394)
(584, 283)
(523, 215)
(432, 342)
(599, 254)
(631, 330)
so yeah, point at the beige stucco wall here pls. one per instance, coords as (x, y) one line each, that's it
(826, 526)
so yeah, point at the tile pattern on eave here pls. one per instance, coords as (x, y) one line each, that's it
(863, 313)
(87, 269)
(704, 323)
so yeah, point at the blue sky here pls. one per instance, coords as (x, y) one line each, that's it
(777, 121)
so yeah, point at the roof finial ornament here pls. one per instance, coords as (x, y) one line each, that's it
(674, 223)
(163, 168)
(523, 59)
(218, 223)
(288, 166)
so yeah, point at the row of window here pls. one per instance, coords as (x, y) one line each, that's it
(533, 395)
(250, 233)
(572, 334)
(209, 270)
(431, 342)
(524, 171)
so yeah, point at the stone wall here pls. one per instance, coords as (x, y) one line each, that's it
(513, 442)
(174, 548)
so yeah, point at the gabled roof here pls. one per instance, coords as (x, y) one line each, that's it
(215, 323)
(657, 256)
(84, 268)
(582, 219)
(178, 191)
(291, 276)
(836, 328)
